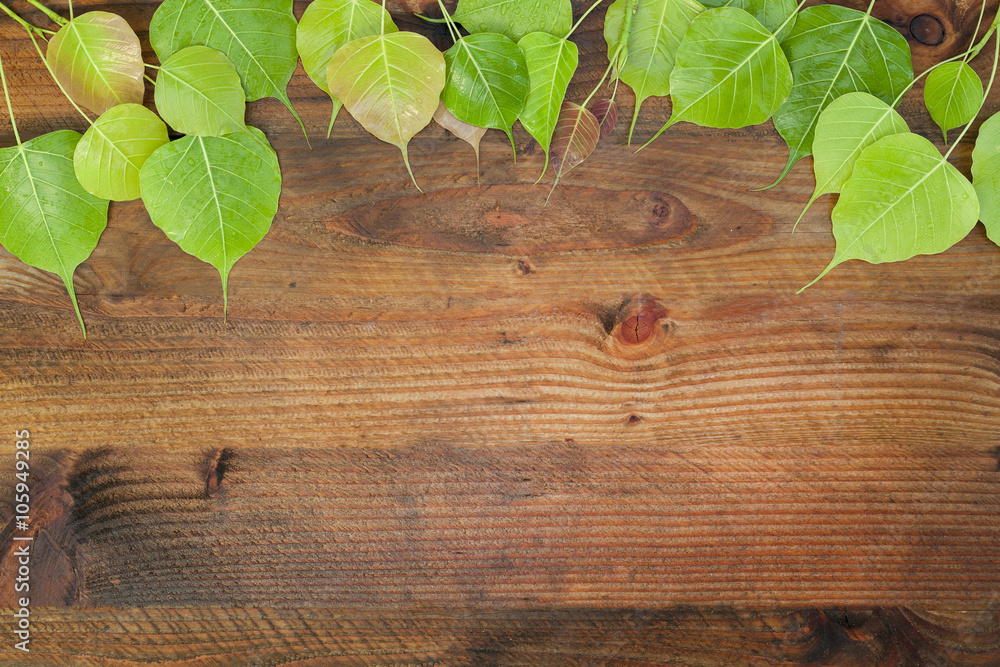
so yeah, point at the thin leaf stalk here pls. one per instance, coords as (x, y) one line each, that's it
(10, 107)
(53, 75)
(41, 32)
(58, 20)
(580, 20)
(452, 30)
(986, 95)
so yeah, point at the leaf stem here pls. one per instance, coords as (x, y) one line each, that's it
(58, 20)
(53, 75)
(10, 108)
(986, 95)
(452, 30)
(41, 32)
(968, 54)
(585, 14)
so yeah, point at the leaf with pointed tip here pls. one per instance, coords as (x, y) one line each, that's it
(198, 91)
(97, 59)
(487, 82)
(986, 175)
(903, 199)
(574, 139)
(470, 134)
(215, 197)
(953, 95)
(515, 18)
(328, 25)
(46, 218)
(850, 124)
(108, 158)
(391, 84)
(657, 30)
(258, 36)
(606, 113)
(551, 63)
(832, 51)
(730, 72)
(772, 14)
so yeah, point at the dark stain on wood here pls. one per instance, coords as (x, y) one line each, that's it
(217, 467)
(511, 220)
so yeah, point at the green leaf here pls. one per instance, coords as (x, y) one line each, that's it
(391, 84)
(97, 59)
(198, 91)
(730, 72)
(487, 82)
(832, 51)
(656, 32)
(953, 95)
(551, 63)
(109, 156)
(46, 218)
(850, 124)
(903, 199)
(617, 25)
(986, 175)
(470, 134)
(770, 13)
(574, 139)
(215, 197)
(606, 113)
(515, 18)
(258, 36)
(328, 25)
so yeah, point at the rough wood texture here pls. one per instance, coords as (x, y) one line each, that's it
(460, 428)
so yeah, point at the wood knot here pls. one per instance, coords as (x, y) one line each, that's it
(218, 466)
(638, 317)
(927, 29)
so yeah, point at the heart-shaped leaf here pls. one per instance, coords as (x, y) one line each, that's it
(772, 14)
(97, 59)
(655, 34)
(470, 134)
(551, 63)
(730, 72)
(46, 218)
(258, 36)
(487, 82)
(391, 84)
(850, 124)
(903, 199)
(215, 197)
(575, 138)
(832, 51)
(606, 113)
(198, 91)
(953, 94)
(108, 158)
(513, 18)
(328, 25)
(986, 175)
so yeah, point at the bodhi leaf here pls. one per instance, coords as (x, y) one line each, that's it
(617, 25)
(730, 72)
(391, 84)
(657, 29)
(470, 134)
(487, 82)
(97, 59)
(109, 156)
(198, 91)
(953, 95)
(46, 218)
(328, 25)
(832, 51)
(215, 197)
(574, 139)
(515, 18)
(770, 13)
(986, 175)
(903, 199)
(606, 113)
(551, 63)
(851, 123)
(258, 36)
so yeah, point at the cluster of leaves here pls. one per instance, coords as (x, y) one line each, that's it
(830, 77)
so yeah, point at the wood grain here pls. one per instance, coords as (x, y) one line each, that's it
(466, 429)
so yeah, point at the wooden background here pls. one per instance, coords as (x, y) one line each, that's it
(462, 429)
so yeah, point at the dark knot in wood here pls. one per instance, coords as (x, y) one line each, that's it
(927, 29)
(638, 317)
